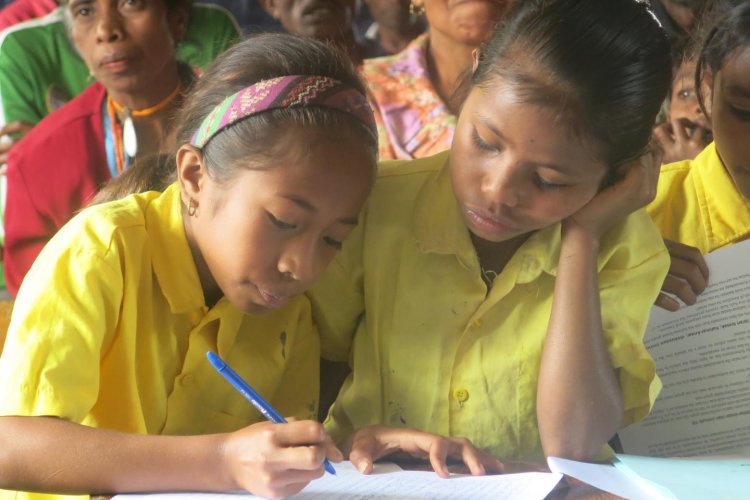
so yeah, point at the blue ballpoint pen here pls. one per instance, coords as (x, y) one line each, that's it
(255, 399)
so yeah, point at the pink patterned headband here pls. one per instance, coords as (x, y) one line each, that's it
(294, 91)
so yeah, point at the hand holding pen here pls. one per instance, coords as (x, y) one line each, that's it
(274, 460)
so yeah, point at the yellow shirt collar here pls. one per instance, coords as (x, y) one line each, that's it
(172, 259)
(726, 211)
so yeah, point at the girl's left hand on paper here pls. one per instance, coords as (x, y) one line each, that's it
(687, 277)
(634, 189)
(372, 443)
(278, 460)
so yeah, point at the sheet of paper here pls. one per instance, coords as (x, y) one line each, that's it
(606, 477)
(693, 479)
(388, 483)
(702, 355)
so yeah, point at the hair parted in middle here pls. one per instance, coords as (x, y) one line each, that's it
(604, 64)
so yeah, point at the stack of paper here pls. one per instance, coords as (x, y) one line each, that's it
(645, 478)
(702, 355)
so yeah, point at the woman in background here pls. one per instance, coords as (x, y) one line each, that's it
(130, 48)
(412, 92)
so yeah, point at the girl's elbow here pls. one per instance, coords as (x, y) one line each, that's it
(578, 450)
(581, 442)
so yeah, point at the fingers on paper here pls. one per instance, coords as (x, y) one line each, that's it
(333, 453)
(375, 442)
(687, 278)
(367, 447)
(692, 257)
(666, 302)
(477, 461)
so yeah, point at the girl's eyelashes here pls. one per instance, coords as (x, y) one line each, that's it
(284, 226)
(481, 144)
(333, 242)
(540, 181)
(544, 184)
(288, 226)
(742, 114)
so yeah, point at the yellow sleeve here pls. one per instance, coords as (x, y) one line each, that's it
(337, 423)
(629, 284)
(65, 314)
(300, 383)
(338, 298)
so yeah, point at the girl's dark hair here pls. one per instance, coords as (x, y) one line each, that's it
(730, 33)
(259, 58)
(258, 137)
(151, 173)
(605, 65)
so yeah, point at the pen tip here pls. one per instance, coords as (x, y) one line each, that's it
(215, 360)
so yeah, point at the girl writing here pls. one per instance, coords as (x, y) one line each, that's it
(499, 291)
(104, 382)
(705, 203)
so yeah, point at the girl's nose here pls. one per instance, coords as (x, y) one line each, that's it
(299, 263)
(501, 185)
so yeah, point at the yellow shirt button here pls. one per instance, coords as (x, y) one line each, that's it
(477, 323)
(461, 394)
(187, 380)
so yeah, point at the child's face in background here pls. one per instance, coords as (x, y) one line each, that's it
(684, 98)
(318, 19)
(266, 234)
(515, 167)
(730, 116)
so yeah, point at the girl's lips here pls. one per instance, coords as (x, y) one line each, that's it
(273, 301)
(488, 223)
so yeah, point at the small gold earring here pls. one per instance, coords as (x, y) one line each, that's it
(192, 208)
(416, 10)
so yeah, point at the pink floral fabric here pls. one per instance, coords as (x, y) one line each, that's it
(413, 121)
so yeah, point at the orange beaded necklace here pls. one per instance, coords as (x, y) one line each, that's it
(125, 140)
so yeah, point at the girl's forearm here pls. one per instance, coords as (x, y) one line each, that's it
(53, 455)
(579, 402)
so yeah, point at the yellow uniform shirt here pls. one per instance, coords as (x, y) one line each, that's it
(698, 204)
(110, 330)
(405, 304)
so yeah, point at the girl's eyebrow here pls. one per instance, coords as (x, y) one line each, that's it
(309, 207)
(487, 122)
